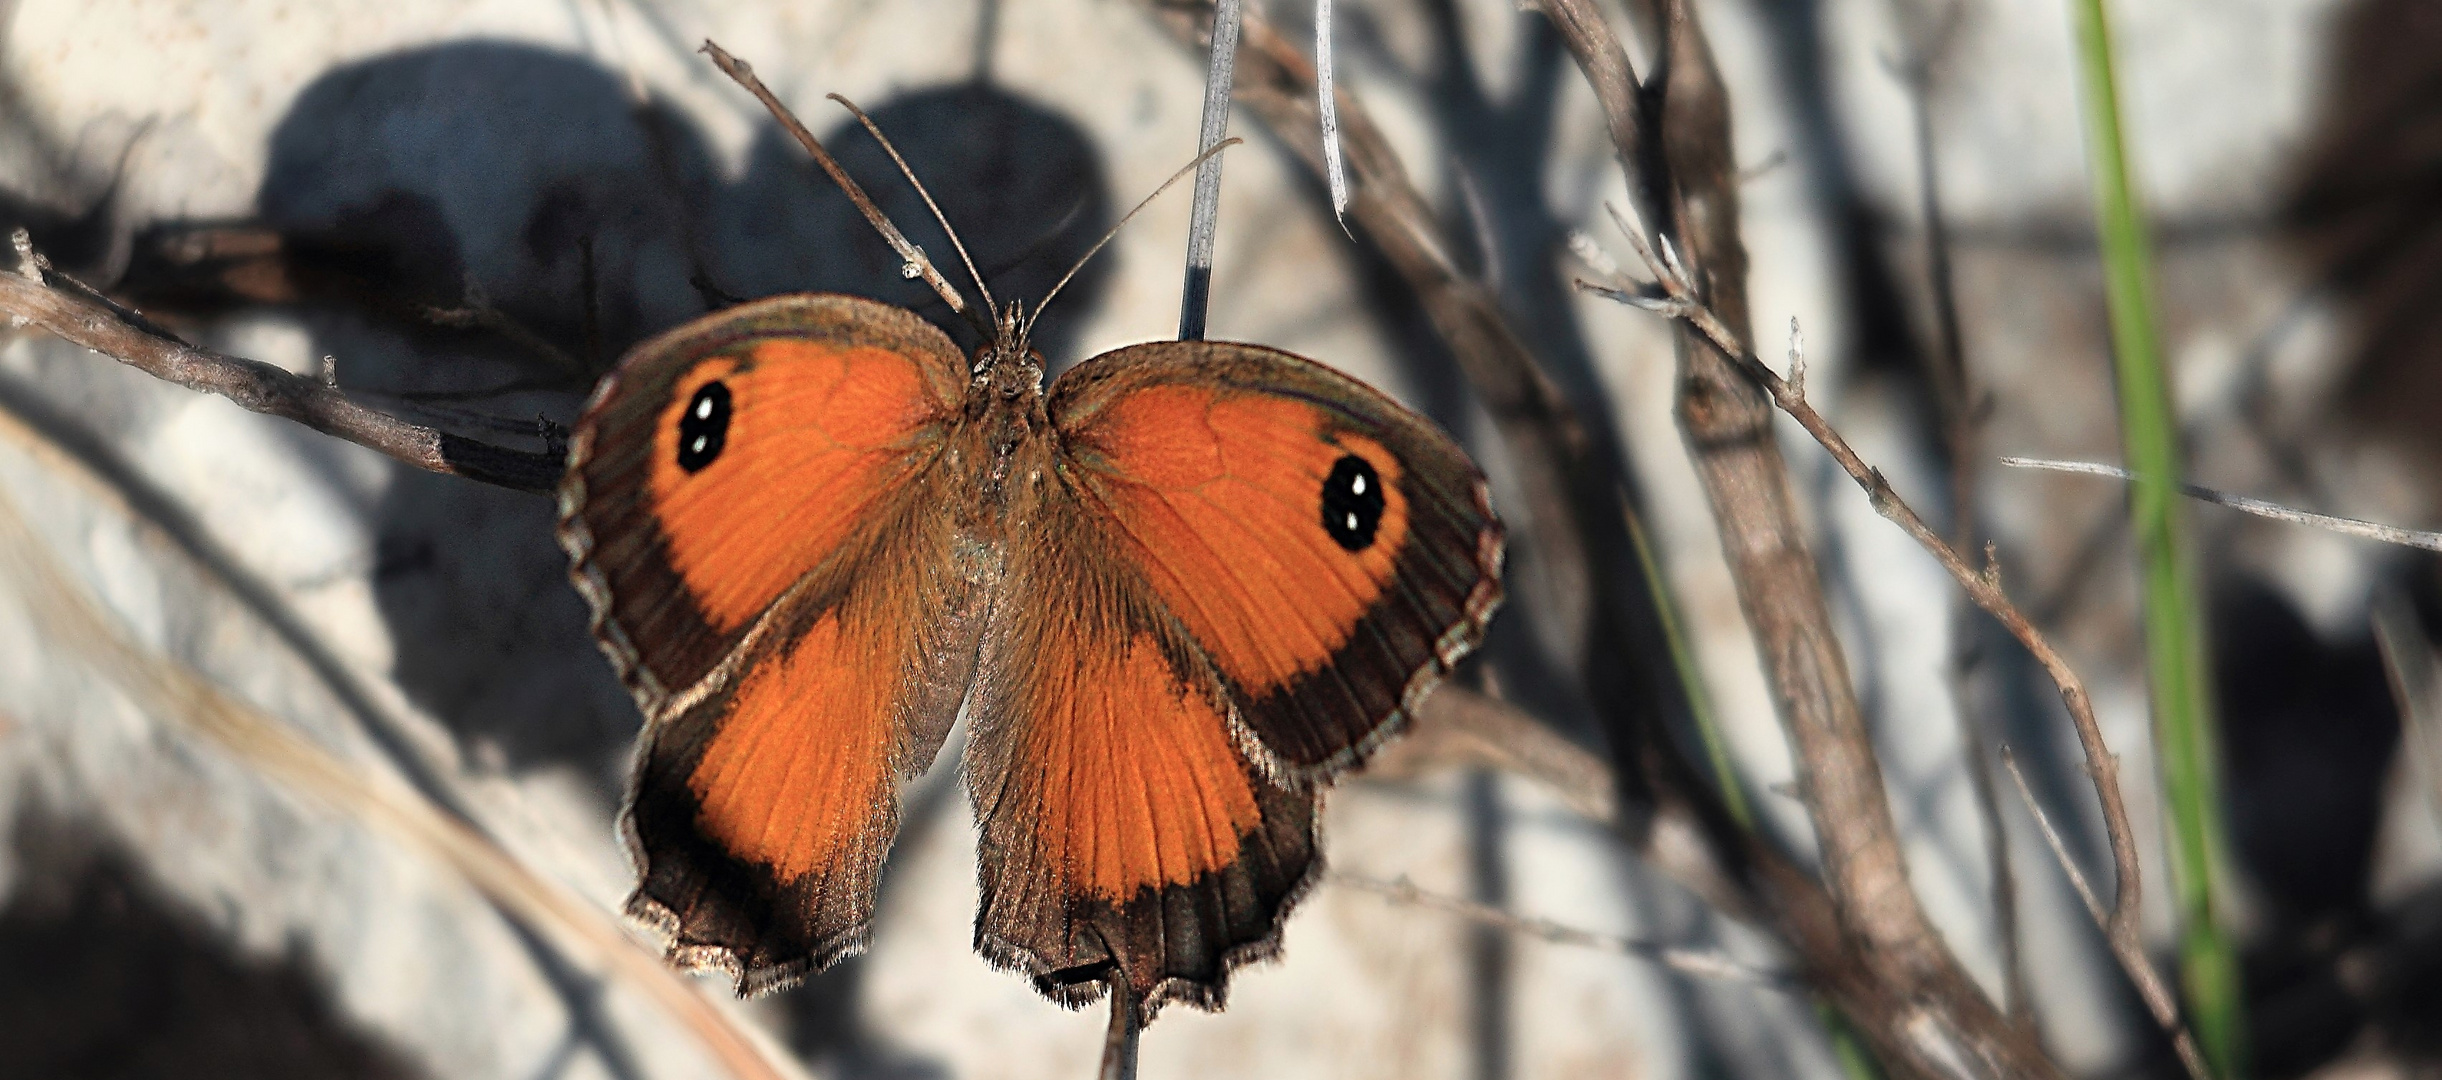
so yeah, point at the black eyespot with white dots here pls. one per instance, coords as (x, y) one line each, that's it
(704, 428)
(1352, 503)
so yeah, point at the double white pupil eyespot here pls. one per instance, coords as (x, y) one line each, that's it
(703, 429)
(1352, 503)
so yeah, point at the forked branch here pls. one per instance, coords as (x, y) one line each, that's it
(1674, 297)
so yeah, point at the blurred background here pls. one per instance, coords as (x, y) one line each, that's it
(474, 207)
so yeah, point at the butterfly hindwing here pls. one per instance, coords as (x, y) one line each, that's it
(1122, 825)
(1330, 552)
(761, 811)
(797, 616)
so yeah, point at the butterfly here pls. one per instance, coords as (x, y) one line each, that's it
(1174, 593)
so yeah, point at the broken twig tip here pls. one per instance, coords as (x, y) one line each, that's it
(28, 265)
(1797, 358)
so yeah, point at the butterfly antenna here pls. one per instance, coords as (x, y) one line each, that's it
(990, 308)
(913, 258)
(1182, 174)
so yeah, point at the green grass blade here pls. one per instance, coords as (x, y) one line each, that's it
(2174, 633)
(1691, 679)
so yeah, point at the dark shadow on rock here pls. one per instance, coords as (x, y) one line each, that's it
(2308, 730)
(1022, 185)
(102, 977)
(500, 167)
(2367, 213)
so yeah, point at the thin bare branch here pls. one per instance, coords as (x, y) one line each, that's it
(32, 297)
(1702, 963)
(1984, 589)
(2357, 527)
(992, 310)
(1673, 134)
(914, 261)
(2051, 837)
(2140, 969)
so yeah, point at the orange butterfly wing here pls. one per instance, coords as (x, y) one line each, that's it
(1122, 825)
(1332, 553)
(755, 509)
(1235, 573)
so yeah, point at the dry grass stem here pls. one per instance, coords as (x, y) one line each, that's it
(1204, 217)
(1702, 963)
(2368, 530)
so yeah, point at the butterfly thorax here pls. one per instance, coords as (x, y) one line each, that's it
(1006, 394)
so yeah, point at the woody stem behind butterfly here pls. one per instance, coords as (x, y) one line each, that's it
(33, 293)
(1677, 300)
(916, 261)
(1387, 211)
(992, 311)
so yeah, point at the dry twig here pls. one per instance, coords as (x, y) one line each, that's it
(34, 295)
(1204, 218)
(1676, 299)
(1576, 495)
(913, 262)
(1672, 132)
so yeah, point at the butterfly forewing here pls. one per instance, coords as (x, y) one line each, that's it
(755, 507)
(726, 459)
(1330, 552)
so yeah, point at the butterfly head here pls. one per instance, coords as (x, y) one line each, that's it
(1009, 369)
